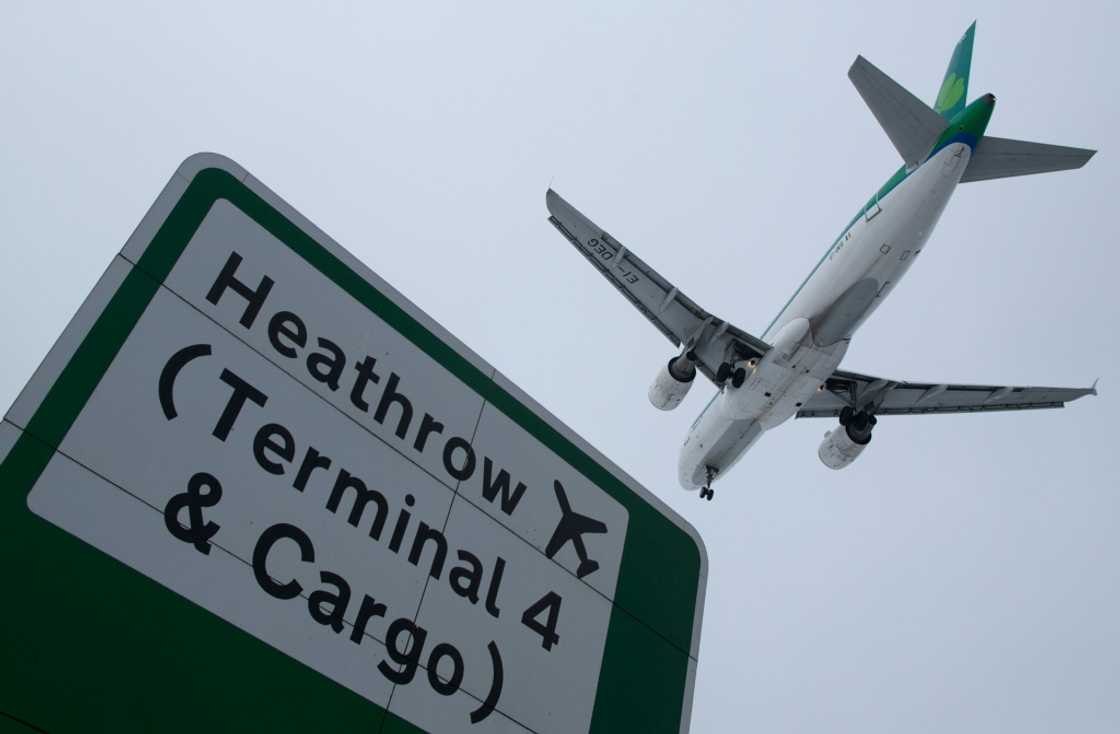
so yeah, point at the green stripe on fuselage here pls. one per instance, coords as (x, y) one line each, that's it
(898, 177)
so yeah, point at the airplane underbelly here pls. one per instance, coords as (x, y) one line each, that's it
(848, 285)
(872, 256)
(772, 394)
(718, 441)
(780, 382)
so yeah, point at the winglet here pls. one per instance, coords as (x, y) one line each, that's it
(1093, 387)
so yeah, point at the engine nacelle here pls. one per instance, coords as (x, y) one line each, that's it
(672, 383)
(842, 445)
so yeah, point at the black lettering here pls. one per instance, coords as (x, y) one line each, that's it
(242, 391)
(491, 485)
(170, 373)
(369, 608)
(337, 602)
(491, 702)
(254, 298)
(197, 531)
(402, 524)
(408, 659)
(548, 604)
(362, 497)
(268, 539)
(428, 426)
(439, 685)
(327, 367)
(424, 533)
(365, 376)
(495, 584)
(265, 442)
(466, 580)
(464, 472)
(390, 396)
(312, 460)
(286, 324)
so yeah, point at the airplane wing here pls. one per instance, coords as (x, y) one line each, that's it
(584, 524)
(675, 315)
(889, 397)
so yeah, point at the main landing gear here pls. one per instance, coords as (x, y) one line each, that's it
(738, 375)
(858, 424)
(706, 492)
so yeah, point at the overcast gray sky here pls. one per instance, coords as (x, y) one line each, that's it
(962, 575)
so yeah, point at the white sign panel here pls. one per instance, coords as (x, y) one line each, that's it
(245, 415)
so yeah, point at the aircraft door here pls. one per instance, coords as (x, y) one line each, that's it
(873, 209)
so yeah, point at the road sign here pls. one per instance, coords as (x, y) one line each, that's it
(253, 487)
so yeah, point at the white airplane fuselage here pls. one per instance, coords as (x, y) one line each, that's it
(811, 334)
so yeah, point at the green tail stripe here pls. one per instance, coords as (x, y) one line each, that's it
(953, 94)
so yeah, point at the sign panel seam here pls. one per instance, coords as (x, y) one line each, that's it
(116, 485)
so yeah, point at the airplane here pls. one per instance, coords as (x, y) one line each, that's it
(792, 368)
(571, 528)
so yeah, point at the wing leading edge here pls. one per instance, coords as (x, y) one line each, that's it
(675, 315)
(888, 397)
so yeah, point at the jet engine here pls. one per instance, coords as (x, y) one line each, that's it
(843, 444)
(672, 383)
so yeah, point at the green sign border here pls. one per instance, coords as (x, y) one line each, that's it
(88, 643)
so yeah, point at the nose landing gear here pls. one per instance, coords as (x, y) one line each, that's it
(706, 492)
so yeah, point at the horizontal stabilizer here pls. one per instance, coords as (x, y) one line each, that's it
(911, 125)
(1002, 157)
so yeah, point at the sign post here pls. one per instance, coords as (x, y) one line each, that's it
(253, 487)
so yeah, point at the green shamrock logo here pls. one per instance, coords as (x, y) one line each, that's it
(951, 92)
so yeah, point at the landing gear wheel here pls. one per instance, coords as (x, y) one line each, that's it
(706, 492)
(723, 372)
(738, 378)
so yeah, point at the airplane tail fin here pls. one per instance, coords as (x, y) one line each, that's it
(915, 128)
(953, 94)
(911, 125)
